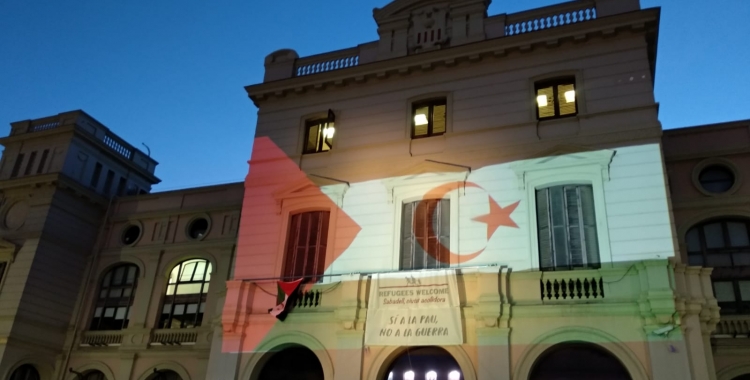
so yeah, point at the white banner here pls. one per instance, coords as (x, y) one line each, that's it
(414, 309)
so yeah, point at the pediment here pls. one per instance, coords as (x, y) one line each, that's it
(400, 9)
(557, 158)
(301, 188)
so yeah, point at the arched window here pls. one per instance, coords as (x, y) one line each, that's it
(25, 372)
(725, 246)
(424, 363)
(164, 374)
(115, 298)
(294, 362)
(575, 361)
(185, 299)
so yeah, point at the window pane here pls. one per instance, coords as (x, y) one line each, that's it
(741, 259)
(545, 102)
(98, 312)
(120, 315)
(695, 259)
(714, 236)
(170, 289)
(438, 119)
(421, 121)
(189, 288)
(119, 275)
(745, 290)
(109, 312)
(328, 131)
(131, 274)
(115, 293)
(589, 223)
(188, 268)
(192, 308)
(312, 138)
(719, 260)
(724, 291)
(179, 309)
(566, 97)
(738, 234)
(543, 230)
(716, 179)
(693, 240)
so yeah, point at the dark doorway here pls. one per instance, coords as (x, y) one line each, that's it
(424, 363)
(292, 363)
(578, 361)
(742, 377)
(164, 374)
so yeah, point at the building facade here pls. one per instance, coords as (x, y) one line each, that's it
(468, 197)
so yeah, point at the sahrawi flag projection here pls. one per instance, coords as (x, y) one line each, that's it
(284, 299)
(415, 308)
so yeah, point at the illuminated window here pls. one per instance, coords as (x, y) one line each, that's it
(25, 372)
(425, 234)
(566, 225)
(115, 298)
(428, 118)
(319, 135)
(185, 299)
(556, 98)
(306, 246)
(725, 246)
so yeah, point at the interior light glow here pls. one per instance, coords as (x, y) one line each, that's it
(409, 375)
(454, 375)
(390, 376)
(432, 375)
(570, 96)
(328, 132)
(541, 100)
(420, 119)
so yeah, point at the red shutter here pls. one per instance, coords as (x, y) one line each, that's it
(306, 245)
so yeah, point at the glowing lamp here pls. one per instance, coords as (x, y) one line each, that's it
(432, 375)
(420, 119)
(328, 132)
(409, 375)
(570, 96)
(541, 100)
(454, 375)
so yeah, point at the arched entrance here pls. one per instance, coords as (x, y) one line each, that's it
(424, 363)
(292, 363)
(578, 361)
(742, 377)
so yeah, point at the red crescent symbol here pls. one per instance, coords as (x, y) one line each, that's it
(497, 217)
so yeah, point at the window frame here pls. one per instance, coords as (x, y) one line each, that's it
(288, 242)
(200, 298)
(554, 82)
(585, 256)
(401, 236)
(109, 274)
(717, 161)
(430, 103)
(584, 168)
(741, 307)
(320, 123)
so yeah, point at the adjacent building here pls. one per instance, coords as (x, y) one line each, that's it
(468, 197)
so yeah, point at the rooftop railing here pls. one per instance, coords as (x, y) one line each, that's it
(515, 23)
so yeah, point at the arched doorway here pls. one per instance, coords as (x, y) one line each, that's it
(25, 372)
(424, 363)
(578, 361)
(742, 377)
(292, 363)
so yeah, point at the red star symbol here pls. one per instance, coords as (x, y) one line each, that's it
(497, 217)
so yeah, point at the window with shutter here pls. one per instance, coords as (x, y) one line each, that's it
(566, 225)
(425, 234)
(306, 245)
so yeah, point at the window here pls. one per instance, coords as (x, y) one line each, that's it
(566, 226)
(30, 164)
(121, 186)
(115, 298)
(17, 166)
(318, 135)
(25, 372)
(108, 182)
(425, 234)
(43, 161)
(556, 98)
(197, 228)
(306, 245)
(97, 173)
(725, 246)
(716, 179)
(3, 266)
(428, 118)
(185, 299)
(130, 234)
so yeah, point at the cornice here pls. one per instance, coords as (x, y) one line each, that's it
(188, 246)
(176, 212)
(474, 52)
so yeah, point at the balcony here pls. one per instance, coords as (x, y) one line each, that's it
(101, 338)
(733, 326)
(140, 337)
(655, 289)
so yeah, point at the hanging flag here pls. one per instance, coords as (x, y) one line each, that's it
(286, 293)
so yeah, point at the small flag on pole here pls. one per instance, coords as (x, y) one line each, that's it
(286, 293)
